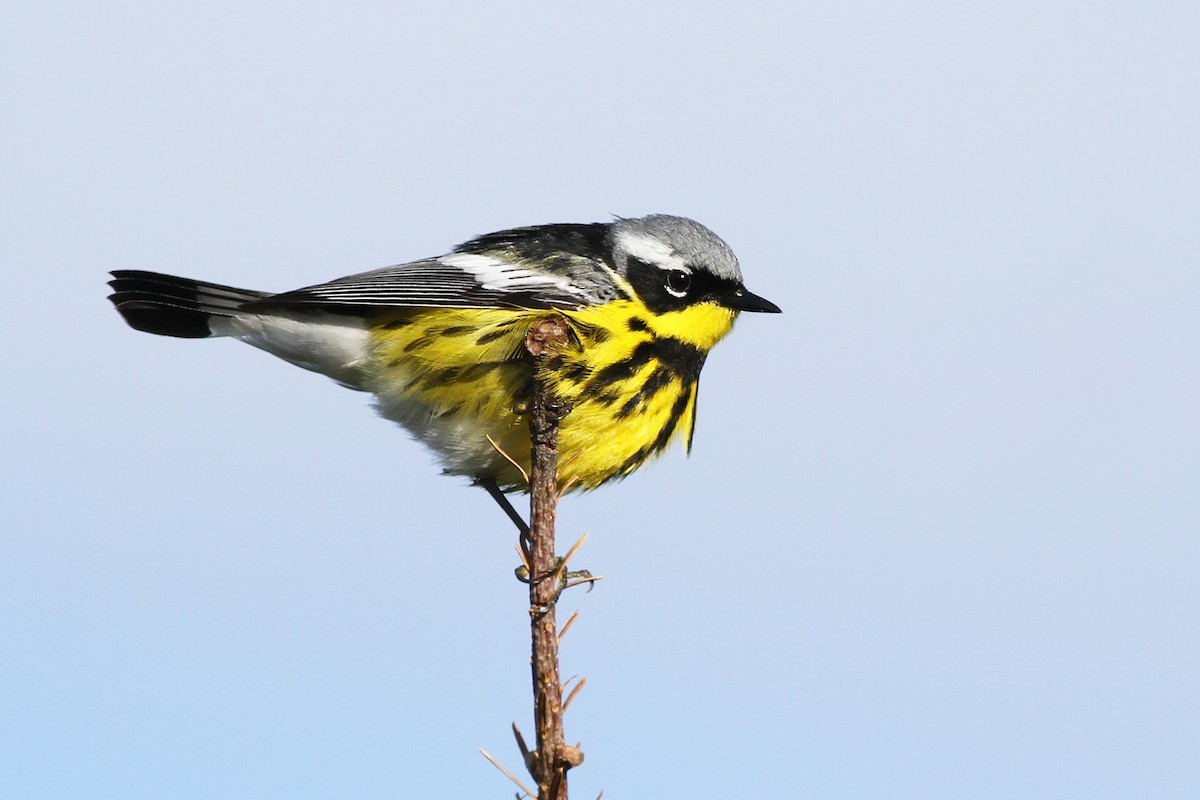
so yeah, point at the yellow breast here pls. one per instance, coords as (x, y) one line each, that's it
(456, 378)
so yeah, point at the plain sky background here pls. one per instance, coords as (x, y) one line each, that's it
(938, 535)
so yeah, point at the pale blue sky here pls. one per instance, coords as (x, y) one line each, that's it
(938, 536)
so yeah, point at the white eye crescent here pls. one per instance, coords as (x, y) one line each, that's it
(678, 282)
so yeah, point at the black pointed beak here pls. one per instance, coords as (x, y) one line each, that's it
(741, 300)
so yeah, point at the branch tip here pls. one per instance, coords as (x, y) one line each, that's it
(578, 544)
(507, 774)
(575, 691)
(507, 457)
(567, 626)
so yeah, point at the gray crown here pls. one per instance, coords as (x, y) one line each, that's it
(697, 246)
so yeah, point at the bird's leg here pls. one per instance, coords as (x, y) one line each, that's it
(489, 484)
(572, 577)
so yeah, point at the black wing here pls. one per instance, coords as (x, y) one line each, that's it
(549, 266)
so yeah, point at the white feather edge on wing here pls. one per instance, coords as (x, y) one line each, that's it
(498, 275)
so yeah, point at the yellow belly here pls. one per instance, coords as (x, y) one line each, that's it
(457, 377)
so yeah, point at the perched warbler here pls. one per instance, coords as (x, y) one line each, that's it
(440, 341)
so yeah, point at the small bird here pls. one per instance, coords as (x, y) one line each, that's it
(440, 342)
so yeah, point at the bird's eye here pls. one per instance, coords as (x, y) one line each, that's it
(678, 282)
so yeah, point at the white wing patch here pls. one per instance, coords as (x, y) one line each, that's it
(502, 276)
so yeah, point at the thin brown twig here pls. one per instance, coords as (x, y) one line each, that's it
(575, 691)
(524, 748)
(567, 626)
(507, 774)
(508, 458)
(523, 556)
(574, 479)
(562, 567)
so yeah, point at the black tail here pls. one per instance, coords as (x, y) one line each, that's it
(171, 306)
